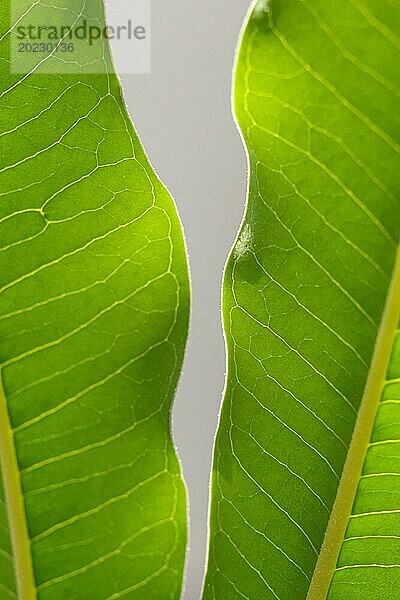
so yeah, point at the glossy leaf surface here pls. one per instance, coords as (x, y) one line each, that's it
(94, 302)
(369, 561)
(316, 98)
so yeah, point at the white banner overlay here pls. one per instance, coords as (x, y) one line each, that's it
(76, 38)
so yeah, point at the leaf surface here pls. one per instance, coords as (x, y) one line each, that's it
(94, 302)
(7, 582)
(304, 296)
(369, 560)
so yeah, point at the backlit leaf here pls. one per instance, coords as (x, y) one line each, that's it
(316, 97)
(93, 322)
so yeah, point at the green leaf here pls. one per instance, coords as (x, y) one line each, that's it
(368, 565)
(94, 302)
(7, 582)
(308, 336)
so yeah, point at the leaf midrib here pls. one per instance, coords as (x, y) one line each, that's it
(15, 505)
(341, 512)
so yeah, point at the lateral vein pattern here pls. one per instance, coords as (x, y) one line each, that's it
(370, 555)
(94, 305)
(303, 298)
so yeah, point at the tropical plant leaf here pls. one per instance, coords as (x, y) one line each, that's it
(94, 301)
(369, 565)
(308, 335)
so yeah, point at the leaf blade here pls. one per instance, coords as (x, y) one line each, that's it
(7, 587)
(369, 553)
(300, 319)
(365, 428)
(93, 323)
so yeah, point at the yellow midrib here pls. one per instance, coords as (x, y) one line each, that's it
(20, 542)
(326, 564)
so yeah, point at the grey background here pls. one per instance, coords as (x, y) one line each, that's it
(182, 111)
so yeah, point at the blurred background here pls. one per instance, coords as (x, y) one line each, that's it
(182, 112)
